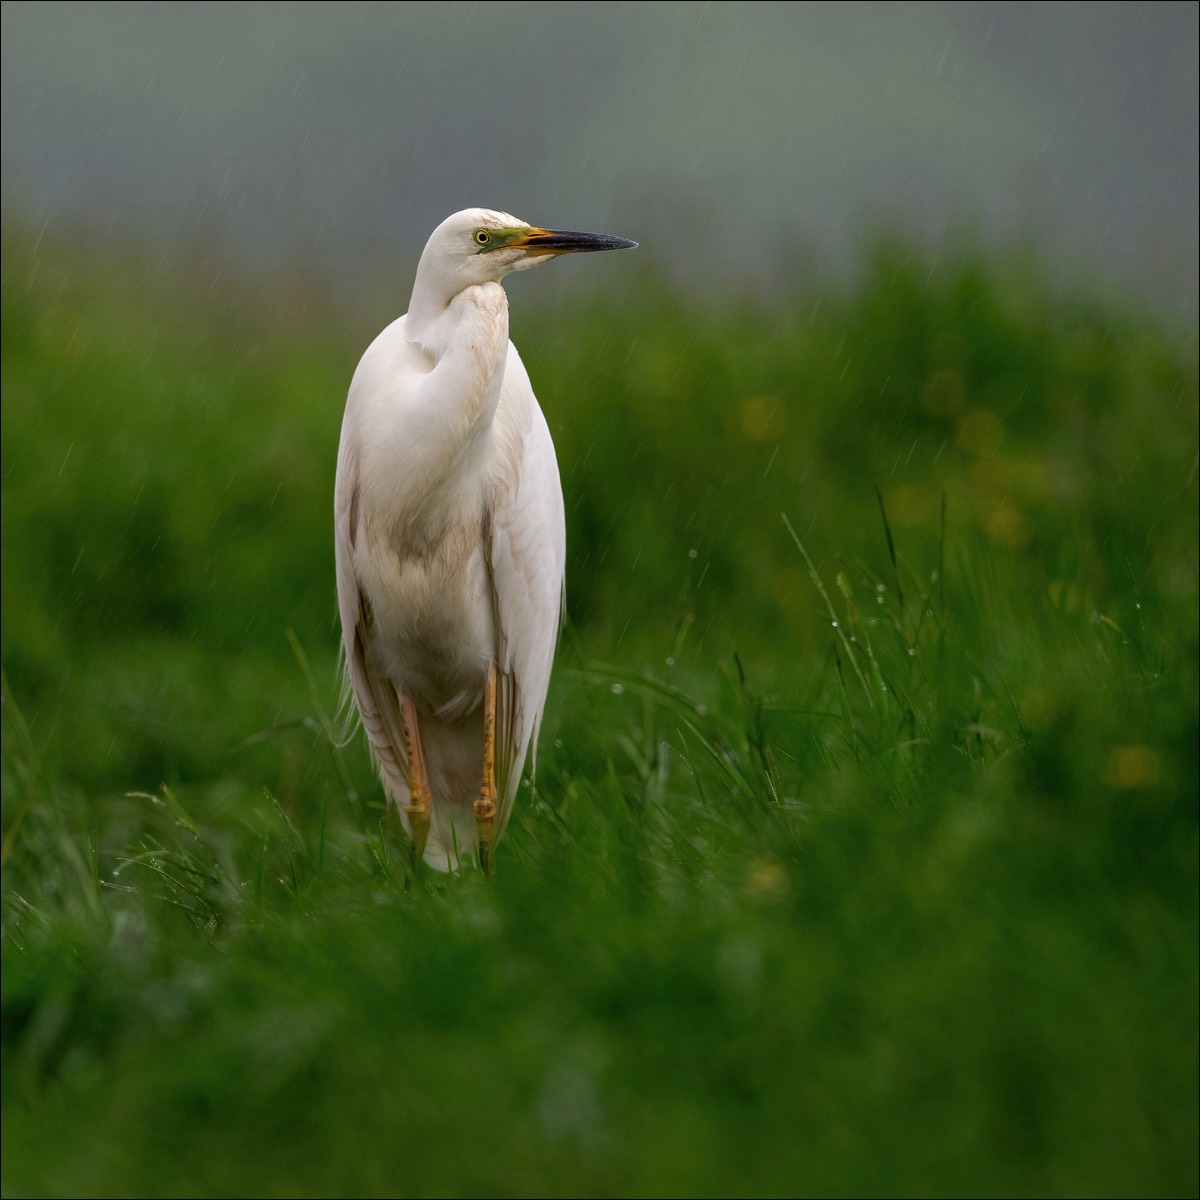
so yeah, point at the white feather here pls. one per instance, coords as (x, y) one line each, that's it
(450, 536)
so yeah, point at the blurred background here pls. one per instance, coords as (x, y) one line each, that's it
(736, 141)
(862, 857)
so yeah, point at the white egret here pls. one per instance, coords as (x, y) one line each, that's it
(450, 539)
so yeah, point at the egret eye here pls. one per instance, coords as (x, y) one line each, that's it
(482, 237)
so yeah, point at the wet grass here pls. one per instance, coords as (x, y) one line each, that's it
(863, 852)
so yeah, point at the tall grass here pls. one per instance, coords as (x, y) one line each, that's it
(862, 852)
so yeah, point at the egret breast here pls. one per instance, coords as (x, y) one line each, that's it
(432, 628)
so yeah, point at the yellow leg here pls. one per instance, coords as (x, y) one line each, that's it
(419, 802)
(485, 807)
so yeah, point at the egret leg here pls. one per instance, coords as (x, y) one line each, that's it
(419, 801)
(485, 807)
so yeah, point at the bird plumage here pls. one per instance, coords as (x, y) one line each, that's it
(449, 530)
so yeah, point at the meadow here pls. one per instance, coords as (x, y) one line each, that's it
(862, 856)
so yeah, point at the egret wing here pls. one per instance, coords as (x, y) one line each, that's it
(378, 706)
(527, 559)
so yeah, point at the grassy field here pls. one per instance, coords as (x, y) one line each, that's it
(863, 853)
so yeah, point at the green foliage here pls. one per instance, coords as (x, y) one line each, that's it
(863, 851)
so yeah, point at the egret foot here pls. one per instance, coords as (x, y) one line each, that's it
(418, 831)
(420, 803)
(484, 808)
(485, 824)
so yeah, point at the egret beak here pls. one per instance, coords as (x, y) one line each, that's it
(563, 241)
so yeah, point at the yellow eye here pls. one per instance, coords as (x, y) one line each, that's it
(482, 237)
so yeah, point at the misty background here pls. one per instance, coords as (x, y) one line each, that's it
(739, 143)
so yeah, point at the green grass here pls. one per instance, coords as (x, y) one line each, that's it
(863, 852)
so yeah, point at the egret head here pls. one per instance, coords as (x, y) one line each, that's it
(479, 245)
